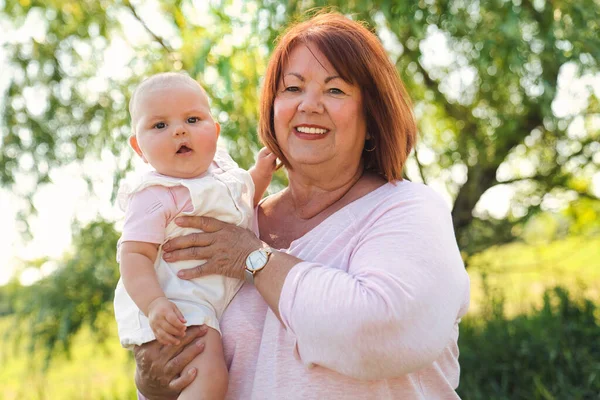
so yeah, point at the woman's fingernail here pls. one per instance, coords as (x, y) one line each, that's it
(203, 329)
(166, 247)
(200, 344)
(180, 274)
(167, 256)
(178, 220)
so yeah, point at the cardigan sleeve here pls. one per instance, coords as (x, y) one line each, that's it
(396, 306)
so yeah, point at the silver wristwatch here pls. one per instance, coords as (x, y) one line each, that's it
(255, 262)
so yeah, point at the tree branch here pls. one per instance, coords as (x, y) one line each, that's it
(159, 39)
(419, 166)
(521, 179)
(553, 172)
(452, 109)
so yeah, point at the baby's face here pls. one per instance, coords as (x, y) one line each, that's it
(175, 131)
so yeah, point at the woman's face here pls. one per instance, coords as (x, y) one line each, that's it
(318, 117)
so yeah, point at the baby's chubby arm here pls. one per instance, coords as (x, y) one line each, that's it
(141, 283)
(262, 172)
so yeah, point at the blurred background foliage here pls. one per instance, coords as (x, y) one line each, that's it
(486, 80)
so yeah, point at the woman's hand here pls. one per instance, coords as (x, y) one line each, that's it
(159, 367)
(223, 246)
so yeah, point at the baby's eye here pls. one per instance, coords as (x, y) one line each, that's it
(160, 125)
(193, 120)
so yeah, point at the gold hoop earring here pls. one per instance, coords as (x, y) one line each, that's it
(372, 148)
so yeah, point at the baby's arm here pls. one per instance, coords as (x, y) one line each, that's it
(141, 283)
(262, 172)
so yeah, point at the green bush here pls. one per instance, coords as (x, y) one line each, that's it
(49, 313)
(550, 353)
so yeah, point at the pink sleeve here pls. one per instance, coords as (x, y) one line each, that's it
(148, 213)
(394, 310)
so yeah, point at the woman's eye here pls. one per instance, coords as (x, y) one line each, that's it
(291, 89)
(160, 125)
(335, 91)
(193, 120)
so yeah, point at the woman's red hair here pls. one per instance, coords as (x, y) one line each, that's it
(359, 58)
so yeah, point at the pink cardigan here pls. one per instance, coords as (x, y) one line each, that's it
(372, 313)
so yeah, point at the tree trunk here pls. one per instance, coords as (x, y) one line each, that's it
(479, 180)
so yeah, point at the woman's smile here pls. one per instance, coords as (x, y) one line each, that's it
(310, 132)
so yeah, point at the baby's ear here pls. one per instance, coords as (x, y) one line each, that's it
(135, 146)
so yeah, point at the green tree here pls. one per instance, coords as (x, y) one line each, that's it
(79, 292)
(488, 114)
(500, 128)
(83, 112)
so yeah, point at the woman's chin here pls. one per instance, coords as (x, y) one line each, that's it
(309, 161)
(309, 155)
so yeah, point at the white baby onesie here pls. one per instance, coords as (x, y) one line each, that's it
(225, 192)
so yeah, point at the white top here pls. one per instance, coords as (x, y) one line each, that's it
(152, 201)
(372, 313)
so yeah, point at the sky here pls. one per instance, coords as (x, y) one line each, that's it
(68, 198)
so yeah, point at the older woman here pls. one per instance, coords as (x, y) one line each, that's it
(358, 283)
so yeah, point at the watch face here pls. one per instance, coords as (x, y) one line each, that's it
(256, 260)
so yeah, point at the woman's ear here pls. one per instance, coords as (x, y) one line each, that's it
(218, 126)
(136, 147)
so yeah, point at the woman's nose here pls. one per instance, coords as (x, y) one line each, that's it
(311, 102)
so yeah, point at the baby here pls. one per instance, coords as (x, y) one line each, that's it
(174, 132)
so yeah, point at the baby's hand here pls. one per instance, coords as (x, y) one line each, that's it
(166, 321)
(266, 162)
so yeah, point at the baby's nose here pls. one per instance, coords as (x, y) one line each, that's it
(179, 130)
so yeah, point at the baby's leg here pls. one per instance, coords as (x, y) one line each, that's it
(212, 378)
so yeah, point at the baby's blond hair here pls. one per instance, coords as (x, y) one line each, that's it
(161, 80)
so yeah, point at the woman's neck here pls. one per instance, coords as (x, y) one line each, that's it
(311, 194)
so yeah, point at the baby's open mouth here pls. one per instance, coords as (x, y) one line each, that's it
(183, 149)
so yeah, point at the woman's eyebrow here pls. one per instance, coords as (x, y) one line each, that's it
(327, 80)
(296, 75)
(330, 78)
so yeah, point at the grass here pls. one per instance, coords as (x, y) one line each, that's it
(93, 371)
(521, 273)
(517, 272)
